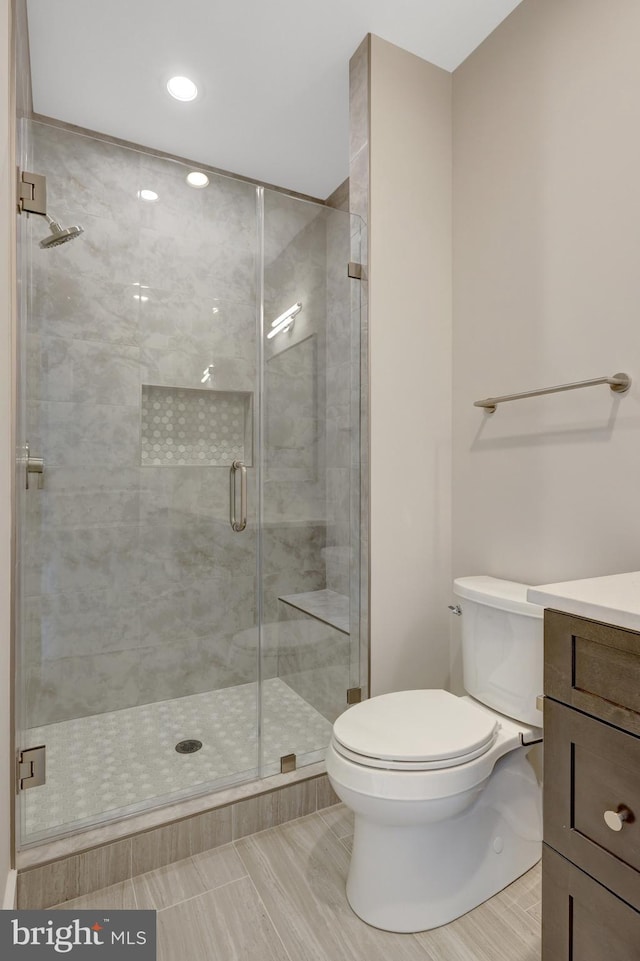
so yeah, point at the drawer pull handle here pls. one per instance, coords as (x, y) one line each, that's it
(616, 819)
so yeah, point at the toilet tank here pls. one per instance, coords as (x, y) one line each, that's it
(502, 646)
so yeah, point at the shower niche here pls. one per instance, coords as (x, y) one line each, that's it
(185, 427)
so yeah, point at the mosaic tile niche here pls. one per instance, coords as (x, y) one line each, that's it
(195, 428)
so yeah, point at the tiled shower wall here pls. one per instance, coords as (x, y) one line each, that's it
(136, 588)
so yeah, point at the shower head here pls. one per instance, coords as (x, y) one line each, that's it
(59, 234)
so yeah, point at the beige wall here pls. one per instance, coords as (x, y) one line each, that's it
(546, 240)
(7, 219)
(547, 291)
(410, 368)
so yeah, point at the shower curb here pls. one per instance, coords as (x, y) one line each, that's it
(61, 875)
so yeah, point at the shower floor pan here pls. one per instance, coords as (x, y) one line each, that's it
(111, 764)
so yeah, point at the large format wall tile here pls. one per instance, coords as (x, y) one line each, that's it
(84, 436)
(79, 559)
(86, 372)
(83, 308)
(87, 176)
(69, 504)
(184, 367)
(106, 619)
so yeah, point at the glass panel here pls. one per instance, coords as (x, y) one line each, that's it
(310, 572)
(138, 600)
(24, 232)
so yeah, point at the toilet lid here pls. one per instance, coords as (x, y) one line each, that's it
(426, 728)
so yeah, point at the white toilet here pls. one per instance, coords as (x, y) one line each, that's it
(447, 804)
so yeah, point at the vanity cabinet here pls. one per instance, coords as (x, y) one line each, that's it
(591, 853)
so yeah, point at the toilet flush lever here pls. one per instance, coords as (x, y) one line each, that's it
(457, 610)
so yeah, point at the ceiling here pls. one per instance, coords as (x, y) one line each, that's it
(272, 74)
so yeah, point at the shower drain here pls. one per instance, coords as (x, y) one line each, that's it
(188, 746)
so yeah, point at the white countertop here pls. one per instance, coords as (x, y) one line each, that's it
(614, 599)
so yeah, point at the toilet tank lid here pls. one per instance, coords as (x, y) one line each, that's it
(493, 592)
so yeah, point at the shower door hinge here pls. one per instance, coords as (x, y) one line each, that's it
(32, 193)
(33, 465)
(31, 767)
(354, 270)
(354, 695)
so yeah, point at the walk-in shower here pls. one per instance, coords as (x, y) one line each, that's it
(152, 612)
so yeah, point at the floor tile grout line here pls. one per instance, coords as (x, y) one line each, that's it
(200, 895)
(523, 940)
(204, 880)
(246, 867)
(271, 921)
(519, 914)
(194, 865)
(333, 831)
(239, 853)
(343, 842)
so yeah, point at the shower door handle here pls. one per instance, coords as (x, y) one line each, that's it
(238, 525)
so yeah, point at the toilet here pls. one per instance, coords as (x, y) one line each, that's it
(447, 802)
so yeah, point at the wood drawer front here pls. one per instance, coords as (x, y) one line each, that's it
(581, 920)
(593, 667)
(590, 768)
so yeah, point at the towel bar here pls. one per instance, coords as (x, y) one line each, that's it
(619, 383)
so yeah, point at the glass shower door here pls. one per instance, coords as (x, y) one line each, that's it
(188, 559)
(310, 456)
(138, 610)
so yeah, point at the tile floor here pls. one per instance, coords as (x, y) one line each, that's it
(115, 761)
(279, 896)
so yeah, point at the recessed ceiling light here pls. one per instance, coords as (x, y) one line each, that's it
(148, 195)
(197, 179)
(181, 88)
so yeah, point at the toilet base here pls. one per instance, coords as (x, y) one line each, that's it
(414, 877)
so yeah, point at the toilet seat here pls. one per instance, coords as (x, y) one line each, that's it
(414, 731)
